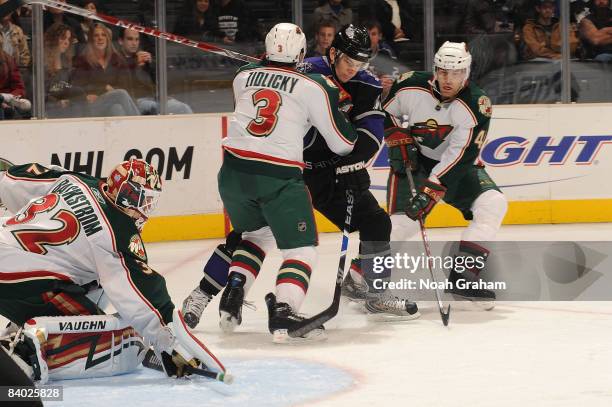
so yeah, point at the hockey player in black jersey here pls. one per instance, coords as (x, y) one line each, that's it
(328, 176)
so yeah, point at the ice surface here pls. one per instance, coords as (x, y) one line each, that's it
(520, 354)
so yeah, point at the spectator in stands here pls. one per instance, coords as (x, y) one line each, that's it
(198, 20)
(396, 18)
(235, 22)
(542, 35)
(141, 71)
(62, 98)
(493, 33)
(87, 24)
(495, 16)
(596, 30)
(336, 11)
(13, 41)
(101, 72)
(382, 55)
(322, 40)
(54, 15)
(12, 89)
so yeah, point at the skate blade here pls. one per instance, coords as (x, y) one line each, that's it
(227, 323)
(281, 336)
(478, 304)
(386, 317)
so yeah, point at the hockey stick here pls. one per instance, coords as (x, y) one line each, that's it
(145, 30)
(444, 315)
(151, 361)
(316, 321)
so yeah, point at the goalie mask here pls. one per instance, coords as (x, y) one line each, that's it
(134, 186)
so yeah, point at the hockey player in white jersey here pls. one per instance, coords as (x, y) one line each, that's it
(71, 231)
(448, 119)
(261, 182)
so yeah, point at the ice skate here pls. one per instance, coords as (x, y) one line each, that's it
(354, 290)
(385, 306)
(481, 298)
(282, 318)
(194, 306)
(230, 307)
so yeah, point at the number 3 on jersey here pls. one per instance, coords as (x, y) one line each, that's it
(35, 240)
(267, 102)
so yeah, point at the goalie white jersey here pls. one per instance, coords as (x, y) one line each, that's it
(275, 107)
(66, 231)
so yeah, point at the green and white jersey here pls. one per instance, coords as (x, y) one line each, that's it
(449, 134)
(275, 108)
(65, 229)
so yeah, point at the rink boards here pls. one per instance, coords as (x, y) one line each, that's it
(551, 162)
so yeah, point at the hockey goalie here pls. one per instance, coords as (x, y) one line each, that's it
(73, 241)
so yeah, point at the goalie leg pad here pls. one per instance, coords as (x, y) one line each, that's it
(76, 347)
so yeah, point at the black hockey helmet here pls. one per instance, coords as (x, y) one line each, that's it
(353, 41)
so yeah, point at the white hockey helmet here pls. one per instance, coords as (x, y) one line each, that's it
(286, 43)
(453, 55)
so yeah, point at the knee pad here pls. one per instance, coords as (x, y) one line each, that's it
(489, 210)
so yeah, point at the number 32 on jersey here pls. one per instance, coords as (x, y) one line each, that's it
(35, 240)
(268, 102)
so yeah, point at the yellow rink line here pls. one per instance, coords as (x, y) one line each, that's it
(206, 226)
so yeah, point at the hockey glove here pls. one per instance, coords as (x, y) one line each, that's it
(353, 176)
(176, 366)
(403, 152)
(423, 202)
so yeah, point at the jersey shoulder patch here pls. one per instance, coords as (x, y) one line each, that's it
(479, 103)
(325, 81)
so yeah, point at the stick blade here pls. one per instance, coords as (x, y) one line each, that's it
(445, 315)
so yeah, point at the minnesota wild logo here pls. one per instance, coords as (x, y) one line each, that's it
(431, 130)
(137, 247)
